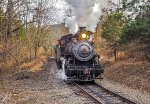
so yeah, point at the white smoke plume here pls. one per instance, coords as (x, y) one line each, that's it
(72, 24)
(61, 73)
(85, 13)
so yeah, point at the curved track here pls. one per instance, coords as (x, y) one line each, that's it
(101, 95)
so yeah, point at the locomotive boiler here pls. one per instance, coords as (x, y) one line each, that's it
(76, 56)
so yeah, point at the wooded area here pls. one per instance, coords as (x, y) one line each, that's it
(124, 23)
(24, 28)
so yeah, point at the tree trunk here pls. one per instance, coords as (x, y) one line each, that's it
(115, 51)
(35, 52)
(9, 17)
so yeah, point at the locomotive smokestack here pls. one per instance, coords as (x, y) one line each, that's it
(82, 29)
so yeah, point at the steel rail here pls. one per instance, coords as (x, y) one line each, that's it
(88, 94)
(100, 100)
(115, 94)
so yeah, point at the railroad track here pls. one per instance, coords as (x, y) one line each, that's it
(101, 95)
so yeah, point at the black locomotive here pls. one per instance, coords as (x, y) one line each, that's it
(75, 54)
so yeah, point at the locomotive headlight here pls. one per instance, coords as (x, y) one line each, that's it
(84, 35)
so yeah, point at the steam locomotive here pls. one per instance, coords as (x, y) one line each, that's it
(76, 56)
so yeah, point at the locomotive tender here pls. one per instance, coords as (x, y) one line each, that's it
(76, 56)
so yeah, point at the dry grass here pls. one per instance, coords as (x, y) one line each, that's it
(34, 65)
(133, 74)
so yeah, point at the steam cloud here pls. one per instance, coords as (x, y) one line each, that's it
(85, 13)
(61, 73)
